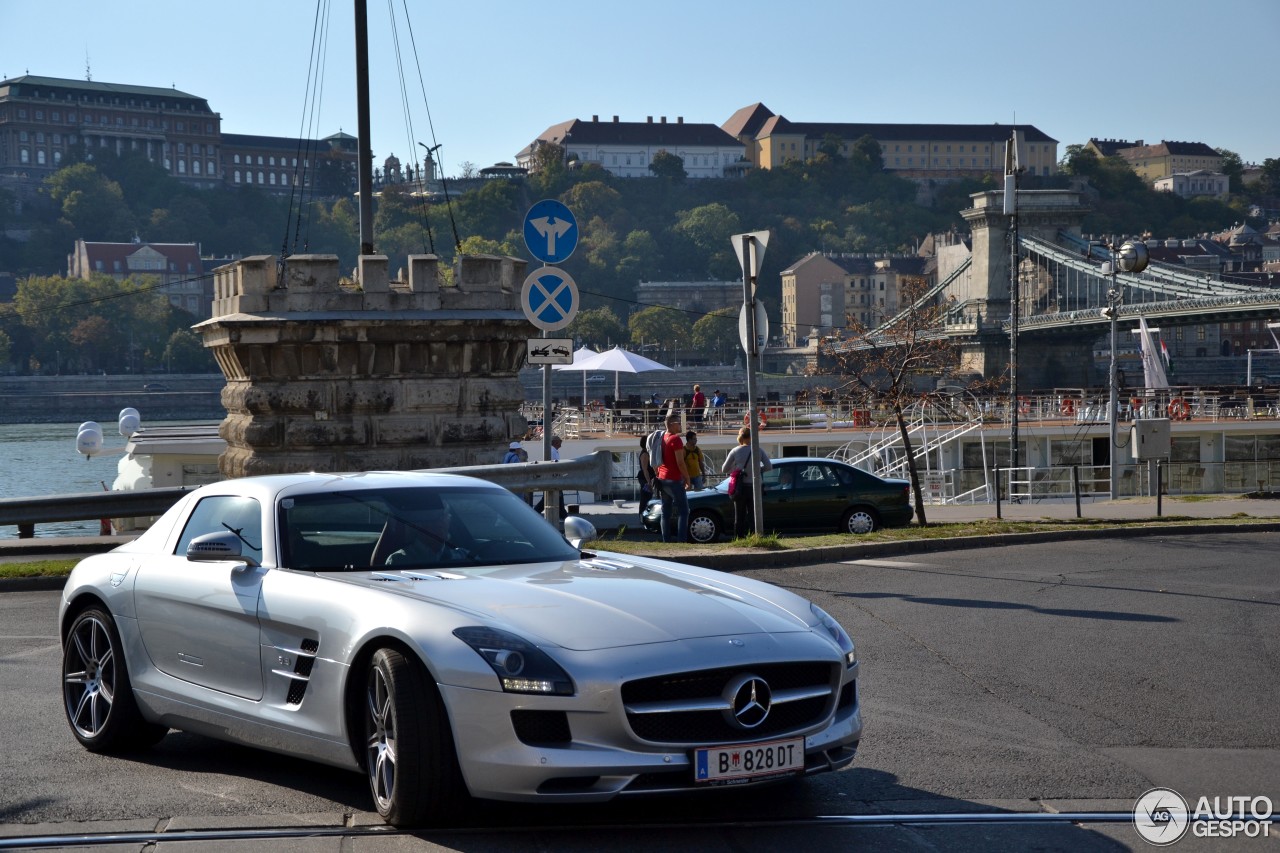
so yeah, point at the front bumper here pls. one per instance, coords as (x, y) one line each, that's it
(603, 758)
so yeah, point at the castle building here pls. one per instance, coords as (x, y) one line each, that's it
(918, 151)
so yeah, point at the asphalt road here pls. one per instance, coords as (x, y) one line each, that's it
(1067, 677)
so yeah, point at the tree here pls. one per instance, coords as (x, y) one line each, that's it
(598, 328)
(1233, 168)
(184, 352)
(717, 334)
(708, 228)
(659, 325)
(667, 165)
(882, 363)
(334, 175)
(1271, 176)
(92, 204)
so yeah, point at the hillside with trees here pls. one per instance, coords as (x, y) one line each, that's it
(663, 228)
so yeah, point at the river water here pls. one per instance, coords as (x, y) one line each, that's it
(41, 459)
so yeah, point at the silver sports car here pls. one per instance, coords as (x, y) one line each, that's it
(434, 632)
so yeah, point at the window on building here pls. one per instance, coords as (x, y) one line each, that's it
(272, 178)
(271, 161)
(209, 168)
(40, 157)
(24, 155)
(182, 167)
(236, 160)
(260, 178)
(1200, 333)
(57, 158)
(195, 167)
(235, 178)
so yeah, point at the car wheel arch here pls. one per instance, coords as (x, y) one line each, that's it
(353, 689)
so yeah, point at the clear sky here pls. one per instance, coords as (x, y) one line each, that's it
(496, 73)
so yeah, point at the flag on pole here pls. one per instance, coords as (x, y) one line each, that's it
(1164, 352)
(1152, 366)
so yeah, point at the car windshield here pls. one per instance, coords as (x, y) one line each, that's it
(415, 528)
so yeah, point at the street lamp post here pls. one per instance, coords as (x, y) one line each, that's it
(1132, 258)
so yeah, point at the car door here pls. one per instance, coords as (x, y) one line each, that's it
(817, 497)
(781, 511)
(199, 620)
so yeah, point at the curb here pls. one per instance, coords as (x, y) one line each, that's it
(871, 550)
(832, 553)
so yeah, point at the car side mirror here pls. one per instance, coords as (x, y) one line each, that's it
(578, 530)
(218, 548)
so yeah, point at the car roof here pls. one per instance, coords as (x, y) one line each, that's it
(267, 487)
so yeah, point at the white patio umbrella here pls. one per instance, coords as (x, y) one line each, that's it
(580, 355)
(620, 360)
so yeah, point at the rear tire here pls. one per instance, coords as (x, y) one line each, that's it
(704, 527)
(859, 520)
(97, 695)
(410, 759)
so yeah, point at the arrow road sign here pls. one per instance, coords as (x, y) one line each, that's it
(550, 231)
(549, 298)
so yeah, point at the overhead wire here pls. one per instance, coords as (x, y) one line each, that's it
(435, 145)
(408, 120)
(305, 166)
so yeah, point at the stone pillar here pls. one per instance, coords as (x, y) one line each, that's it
(326, 375)
(1041, 214)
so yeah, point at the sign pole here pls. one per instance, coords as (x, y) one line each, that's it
(550, 502)
(753, 421)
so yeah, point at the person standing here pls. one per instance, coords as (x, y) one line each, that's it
(740, 459)
(646, 477)
(673, 483)
(693, 461)
(697, 405)
(513, 453)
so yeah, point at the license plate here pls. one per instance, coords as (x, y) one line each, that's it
(748, 761)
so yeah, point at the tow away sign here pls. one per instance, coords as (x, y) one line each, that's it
(550, 350)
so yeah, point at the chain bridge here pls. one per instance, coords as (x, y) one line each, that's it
(1062, 289)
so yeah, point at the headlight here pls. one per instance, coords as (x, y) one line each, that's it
(521, 666)
(838, 634)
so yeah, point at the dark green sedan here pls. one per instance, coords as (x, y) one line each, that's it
(802, 494)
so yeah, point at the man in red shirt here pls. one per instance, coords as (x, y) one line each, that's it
(673, 481)
(698, 405)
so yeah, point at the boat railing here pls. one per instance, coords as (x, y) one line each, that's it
(1078, 406)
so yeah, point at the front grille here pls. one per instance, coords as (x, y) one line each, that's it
(673, 725)
(541, 728)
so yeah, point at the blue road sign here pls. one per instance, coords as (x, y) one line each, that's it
(549, 298)
(550, 231)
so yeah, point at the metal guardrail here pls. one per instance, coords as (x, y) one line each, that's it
(28, 512)
(591, 473)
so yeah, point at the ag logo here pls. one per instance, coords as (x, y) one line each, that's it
(1161, 816)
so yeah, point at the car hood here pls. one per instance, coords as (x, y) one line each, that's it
(604, 601)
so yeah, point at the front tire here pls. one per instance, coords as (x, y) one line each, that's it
(96, 693)
(704, 527)
(410, 758)
(859, 520)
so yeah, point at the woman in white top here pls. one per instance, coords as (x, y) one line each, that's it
(738, 460)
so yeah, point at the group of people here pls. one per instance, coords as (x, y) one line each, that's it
(680, 467)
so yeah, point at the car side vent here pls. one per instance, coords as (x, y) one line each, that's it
(304, 659)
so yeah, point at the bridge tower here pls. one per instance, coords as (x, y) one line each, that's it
(1042, 214)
